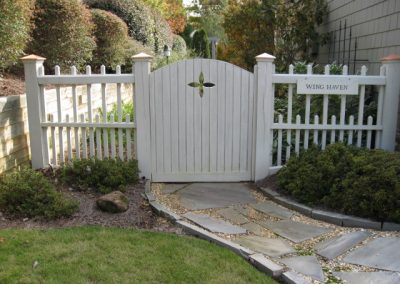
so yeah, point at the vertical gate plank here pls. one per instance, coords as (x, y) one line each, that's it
(205, 119)
(213, 116)
(221, 87)
(174, 117)
(244, 120)
(236, 118)
(251, 127)
(153, 126)
(197, 118)
(159, 121)
(182, 97)
(166, 121)
(190, 115)
(229, 113)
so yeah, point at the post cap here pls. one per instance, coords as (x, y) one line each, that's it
(142, 57)
(391, 57)
(265, 57)
(33, 57)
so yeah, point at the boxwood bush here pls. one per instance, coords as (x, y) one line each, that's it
(101, 176)
(351, 180)
(28, 193)
(112, 40)
(15, 28)
(62, 33)
(145, 25)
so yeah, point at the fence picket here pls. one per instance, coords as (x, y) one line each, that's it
(343, 108)
(379, 113)
(325, 111)
(75, 116)
(316, 122)
(279, 155)
(289, 115)
(59, 117)
(369, 133)
(361, 107)
(350, 132)
(112, 138)
(297, 138)
(98, 139)
(128, 140)
(333, 132)
(53, 143)
(69, 145)
(84, 139)
(307, 111)
(119, 111)
(90, 115)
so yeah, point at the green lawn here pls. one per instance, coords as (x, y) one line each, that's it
(112, 255)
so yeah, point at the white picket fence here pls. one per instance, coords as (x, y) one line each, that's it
(274, 137)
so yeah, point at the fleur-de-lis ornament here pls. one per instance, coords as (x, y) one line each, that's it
(201, 84)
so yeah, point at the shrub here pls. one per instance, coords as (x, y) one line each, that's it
(15, 28)
(352, 180)
(112, 40)
(100, 175)
(62, 33)
(200, 44)
(145, 25)
(29, 194)
(179, 45)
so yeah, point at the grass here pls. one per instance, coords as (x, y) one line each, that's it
(113, 255)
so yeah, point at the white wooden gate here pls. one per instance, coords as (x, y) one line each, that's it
(201, 114)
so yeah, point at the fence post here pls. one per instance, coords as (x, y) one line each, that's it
(264, 115)
(142, 112)
(32, 66)
(390, 102)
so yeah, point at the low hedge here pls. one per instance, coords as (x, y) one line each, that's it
(112, 40)
(62, 33)
(355, 181)
(102, 176)
(28, 193)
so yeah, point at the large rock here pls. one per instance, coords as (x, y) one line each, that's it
(114, 202)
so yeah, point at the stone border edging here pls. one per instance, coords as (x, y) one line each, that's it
(258, 260)
(327, 216)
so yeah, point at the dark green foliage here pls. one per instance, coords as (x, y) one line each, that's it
(100, 175)
(145, 25)
(112, 40)
(63, 33)
(201, 44)
(179, 45)
(14, 30)
(355, 181)
(28, 193)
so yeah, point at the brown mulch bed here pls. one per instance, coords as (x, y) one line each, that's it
(139, 215)
(11, 85)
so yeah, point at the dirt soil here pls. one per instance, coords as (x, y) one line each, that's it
(139, 215)
(11, 85)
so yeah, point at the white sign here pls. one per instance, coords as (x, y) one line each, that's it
(331, 86)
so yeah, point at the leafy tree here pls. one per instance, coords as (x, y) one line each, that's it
(200, 44)
(14, 30)
(176, 16)
(249, 26)
(63, 33)
(296, 32)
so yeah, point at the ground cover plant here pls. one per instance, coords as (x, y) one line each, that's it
(28, 193)
(113, 255)
(355, 181)
(101, 176)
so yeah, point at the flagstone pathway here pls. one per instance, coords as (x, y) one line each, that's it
(320, 252)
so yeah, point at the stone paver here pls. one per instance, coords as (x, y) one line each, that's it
(270, 247)
(272, 209)
(253, 228)
(379, 277)
(295, 231)
(307, 265)
(381, 253)
(340, 244)
(170, 188)
(232, 215)
(198, 196)
(214, 225)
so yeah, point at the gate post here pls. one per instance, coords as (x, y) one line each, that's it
(32, 66)
(390, 102)
(141, 71)
(264, 115)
